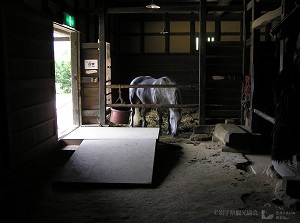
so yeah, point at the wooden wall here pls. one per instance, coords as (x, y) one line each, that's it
(222, 96)
(29, 78)
(28, 111)
(138, 48)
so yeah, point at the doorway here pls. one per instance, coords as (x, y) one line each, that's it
(66, 82)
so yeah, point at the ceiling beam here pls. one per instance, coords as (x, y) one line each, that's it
(170, 9)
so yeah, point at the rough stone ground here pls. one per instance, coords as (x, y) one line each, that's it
(193, 181)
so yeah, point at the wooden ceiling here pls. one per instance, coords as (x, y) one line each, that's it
(171, 6)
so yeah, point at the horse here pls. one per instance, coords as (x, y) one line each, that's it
(157, 96)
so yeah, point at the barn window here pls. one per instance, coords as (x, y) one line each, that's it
(179, 37)
(179, 44)
(230, 31)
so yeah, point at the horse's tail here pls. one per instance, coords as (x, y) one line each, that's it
(178, 96)
(132, 92)
(168, 81)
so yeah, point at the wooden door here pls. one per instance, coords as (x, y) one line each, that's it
(90, 86)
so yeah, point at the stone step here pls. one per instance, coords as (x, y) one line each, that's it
(236, 138)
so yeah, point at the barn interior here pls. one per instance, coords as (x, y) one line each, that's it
(63, 158)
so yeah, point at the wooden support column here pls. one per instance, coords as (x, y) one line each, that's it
(202, 60)
(192, 34)
(245, 71)
(284, 59)
(167, 36)
(102, 65)
(74, 77)
(254, 63)
(217, 31)
(282, 41)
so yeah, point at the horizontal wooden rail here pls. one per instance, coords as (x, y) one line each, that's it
(150, 86)
(152, 105)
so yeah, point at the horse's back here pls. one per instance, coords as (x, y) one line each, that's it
(155, 95)
(165, 81)
(141, 80)
(167, 95)
(143, 94)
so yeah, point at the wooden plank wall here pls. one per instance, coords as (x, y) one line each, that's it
(89, 84)
(90, 94)
(30, 83)
(223, 96)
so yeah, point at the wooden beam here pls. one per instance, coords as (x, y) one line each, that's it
(116, 86)
(254, 58)
(246, 43)
(90, 45)
(166, 9)
(267, 18)
(74, 76)
(102, 65)
(202, 61)
(152, 105)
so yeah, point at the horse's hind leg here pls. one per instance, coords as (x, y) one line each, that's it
(132, 115)
(168, 124)
(144, 113)
(160, 120)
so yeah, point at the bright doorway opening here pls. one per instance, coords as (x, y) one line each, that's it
(65, 80)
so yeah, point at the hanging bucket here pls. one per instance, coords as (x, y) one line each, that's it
(120, 115)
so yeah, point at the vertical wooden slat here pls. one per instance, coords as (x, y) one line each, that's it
(217, 31)
(202, 61)
(74, 76)
(142, 37)
(284, 59)
(192, 35)
(245, 71)
(254, 62)
(167, 36)
(102, 63)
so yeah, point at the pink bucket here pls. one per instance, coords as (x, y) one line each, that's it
(119, 116)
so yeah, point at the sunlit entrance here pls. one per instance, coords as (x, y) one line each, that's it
(65, 55)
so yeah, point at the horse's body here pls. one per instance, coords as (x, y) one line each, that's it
(157, 96)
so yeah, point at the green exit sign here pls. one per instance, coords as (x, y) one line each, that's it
(69, 20)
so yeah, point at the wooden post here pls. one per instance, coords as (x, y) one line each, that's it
(217, 31)
(202, 60)
(245, 71)
(102, 65)
(74, 77)
(284, 60)
(254, 59)
(167, 36)
(192, 34)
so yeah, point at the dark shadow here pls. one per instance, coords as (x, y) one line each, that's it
(166, 158)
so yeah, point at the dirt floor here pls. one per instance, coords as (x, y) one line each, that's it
(193, 181)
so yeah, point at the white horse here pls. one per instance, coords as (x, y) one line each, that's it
(157, 96)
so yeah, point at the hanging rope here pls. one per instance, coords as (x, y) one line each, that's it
(120, 96)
